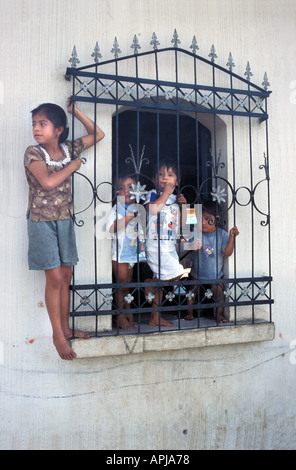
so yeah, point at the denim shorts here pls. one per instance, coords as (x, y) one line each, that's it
(51, 244)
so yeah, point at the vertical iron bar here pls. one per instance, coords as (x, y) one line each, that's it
(73, 138)
(198, 185)
(234, 190)
(252, 206)
(269, 209)
(117, 290)
(95, 204)
(178, 167)
(138, 179)
(157, 188)
(216, 181)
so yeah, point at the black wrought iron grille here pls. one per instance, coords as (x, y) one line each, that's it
(214, 124)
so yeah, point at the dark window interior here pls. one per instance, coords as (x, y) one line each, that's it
(177, 137)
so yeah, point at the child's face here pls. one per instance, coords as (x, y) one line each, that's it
(124, 189)
(208, 222)
(166, 176)
(44, 131)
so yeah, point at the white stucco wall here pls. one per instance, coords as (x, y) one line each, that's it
(226, 397)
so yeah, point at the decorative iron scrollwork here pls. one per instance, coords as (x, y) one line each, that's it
(96, 84)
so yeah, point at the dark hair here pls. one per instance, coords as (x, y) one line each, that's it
(56, 115)
(167, 163)
(125, 175)
(211, 207)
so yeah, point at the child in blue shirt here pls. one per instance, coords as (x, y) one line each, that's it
(208, 259)
(128, 247)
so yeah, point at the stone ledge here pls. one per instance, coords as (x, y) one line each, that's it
(167, 341)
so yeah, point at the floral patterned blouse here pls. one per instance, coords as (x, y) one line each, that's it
(56, 204)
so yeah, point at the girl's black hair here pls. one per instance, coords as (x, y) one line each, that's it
(56, 115)
(210, 206)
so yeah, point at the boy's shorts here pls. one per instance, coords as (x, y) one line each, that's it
(170, 266)
(51, 244)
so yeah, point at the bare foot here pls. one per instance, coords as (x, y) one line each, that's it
(125, 322)
(222, 319)
(189, 317)
(130, 317)
(154, 320)
(77, 334)
(64, 349)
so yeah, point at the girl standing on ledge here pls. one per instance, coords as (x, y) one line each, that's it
(52, 246)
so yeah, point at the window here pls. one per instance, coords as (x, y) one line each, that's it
(214, 124)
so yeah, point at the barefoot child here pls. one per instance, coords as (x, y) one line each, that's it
(128, 247)
(208, 260)
(52, 247)
(163, 226)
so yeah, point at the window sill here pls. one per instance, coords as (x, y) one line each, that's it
(167, 341)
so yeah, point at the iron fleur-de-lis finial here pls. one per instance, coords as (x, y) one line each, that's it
(213, 54)
(74, 59)
(135, 45)
(115, 49)
(175, 39)
(230, 62)
(265, 82)
(248, 74)
(138, 190)
(154, 42)
(133, 160)
(194, 45)
(96, 53)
